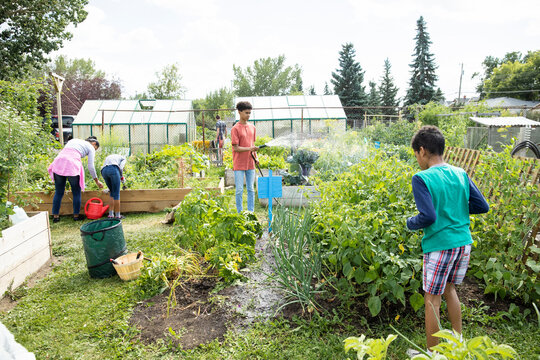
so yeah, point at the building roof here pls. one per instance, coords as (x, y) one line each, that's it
(120, 112)
(294, 107)
(505, 121)
(510, 102)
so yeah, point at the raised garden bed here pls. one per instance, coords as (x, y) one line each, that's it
(153, 200)
(24, 248)
(295, 196)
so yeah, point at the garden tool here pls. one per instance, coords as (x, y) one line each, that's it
(95, 210)
(256, 163)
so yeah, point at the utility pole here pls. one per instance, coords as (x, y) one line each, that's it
(58, 82)
(459, 91)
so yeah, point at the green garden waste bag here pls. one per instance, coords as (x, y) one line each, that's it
(102, 240)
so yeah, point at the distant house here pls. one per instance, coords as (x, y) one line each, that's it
(514, 106)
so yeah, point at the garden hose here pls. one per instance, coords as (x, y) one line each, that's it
(526, 145)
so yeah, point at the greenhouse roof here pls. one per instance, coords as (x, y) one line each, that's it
(124, 112)
(505, 121)
(294, 107)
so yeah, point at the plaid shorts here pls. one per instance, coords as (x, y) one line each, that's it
(445, 266)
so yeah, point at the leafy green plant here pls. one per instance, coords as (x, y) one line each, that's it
(360, 223)
(205, 223)
(304, 157)
(502, 257)
(298, 261)
(164, 271)
(376, 349)
(480, 347)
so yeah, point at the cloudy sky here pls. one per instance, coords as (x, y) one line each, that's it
(132, 40)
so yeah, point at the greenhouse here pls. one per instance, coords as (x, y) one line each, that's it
(143, 125)
(282, 115)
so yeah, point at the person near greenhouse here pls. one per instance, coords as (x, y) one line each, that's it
(244, 156)
(113, 174)
(68, 166)
(444, 197)
(221, 134)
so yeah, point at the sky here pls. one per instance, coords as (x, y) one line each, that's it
(133, 40)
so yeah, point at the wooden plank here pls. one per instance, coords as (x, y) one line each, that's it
(26, 229)
(11, 257)
(29, 266)
(126, 207)
(151, 199)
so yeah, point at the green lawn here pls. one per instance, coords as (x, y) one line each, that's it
(68, 315)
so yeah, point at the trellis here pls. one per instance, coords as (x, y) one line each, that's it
(468, 159)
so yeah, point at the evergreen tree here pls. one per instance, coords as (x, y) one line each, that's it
(388, 91)
(311, 90)
(422, 84)
(347, 80)
(439, 96)
(327, 90)
(373, 98)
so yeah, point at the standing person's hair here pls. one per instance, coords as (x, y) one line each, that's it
(93, 140)
(430, 138)
(218, 117)
(243, 105)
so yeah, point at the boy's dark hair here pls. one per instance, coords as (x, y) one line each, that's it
(218, 117)
(93, 139)
(243, 105)
(430, 138)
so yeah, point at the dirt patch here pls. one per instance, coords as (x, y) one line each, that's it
(471, 295)
(195, 319)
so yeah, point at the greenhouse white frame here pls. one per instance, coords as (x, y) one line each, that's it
(281, 115)
(142, 125)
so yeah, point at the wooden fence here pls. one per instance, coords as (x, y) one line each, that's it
(529, 173)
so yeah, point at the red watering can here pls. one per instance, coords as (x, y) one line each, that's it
(95, 210)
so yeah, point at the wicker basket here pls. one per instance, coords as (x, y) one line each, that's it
(129, 267)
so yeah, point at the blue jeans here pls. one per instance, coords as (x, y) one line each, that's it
(60, 187)
(239, 183)
(111, 175)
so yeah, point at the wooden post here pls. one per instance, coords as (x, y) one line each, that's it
(58, 82)
(302, 122)
(181, 172)
(203, 139)
(8, 157)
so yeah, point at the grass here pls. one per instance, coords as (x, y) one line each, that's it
(68, 315)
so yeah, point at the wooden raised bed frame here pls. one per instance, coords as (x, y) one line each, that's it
(154, 200)
(24, 248)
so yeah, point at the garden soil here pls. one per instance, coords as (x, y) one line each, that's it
(200, 316)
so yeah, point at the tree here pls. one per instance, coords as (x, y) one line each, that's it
(422, 84)
(168, 84)
(267, 77)
(348, 78)
(373, 98)
(31, 29)
(311, 90)
(519, 78)
(220, 99)
(82, 82)
(327, 90)
(388, 91)
(492, 62)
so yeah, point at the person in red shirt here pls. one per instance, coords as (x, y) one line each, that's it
(244, 156)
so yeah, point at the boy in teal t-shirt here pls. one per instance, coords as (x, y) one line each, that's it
(444, 196)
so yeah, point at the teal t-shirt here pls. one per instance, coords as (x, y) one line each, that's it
(449, 189)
